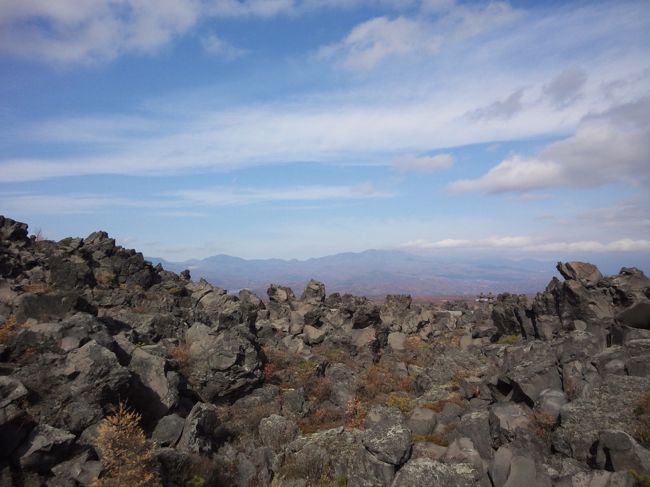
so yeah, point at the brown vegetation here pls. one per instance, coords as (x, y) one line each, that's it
(124, 451)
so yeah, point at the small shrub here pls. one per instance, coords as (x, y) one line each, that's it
(104, 278)
(181, 354)
(399, 401)
(435, 438)
(642, 412)
(378, 380)
(323, 418)
(542, 424)
(36, 287)
(124, 451)
(196, 481)
(508, 340)
(8, 328)
(319, 389)
(355, 412)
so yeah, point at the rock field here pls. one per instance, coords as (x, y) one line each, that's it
(114, 372)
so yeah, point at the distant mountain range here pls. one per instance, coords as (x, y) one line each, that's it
(374, 273)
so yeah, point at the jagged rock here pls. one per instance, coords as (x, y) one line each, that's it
(550, 402)
(506, 419)
(423, 472)
(199, 431)
(462, 450)
(45, 307)
(96, 380)
(168, 430)
(159, 391)
(619, 452)
(313, 336)
(587, 274)
(81, 470)
(596, 478)
(610, 405)
(43, 448)
(510, 316)
(530, 369)
(476, 427)
(222, 363)
(314, 293)
(14, 422)
(276, 432)
(219, 309)
(386, 435)
(280, 294)
(513, 468)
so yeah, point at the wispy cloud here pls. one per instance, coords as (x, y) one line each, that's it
(530, 244)
(186, 202)
(216, 46)
(424, 163)
(373, 41)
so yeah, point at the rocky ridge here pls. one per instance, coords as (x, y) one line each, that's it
(320, 390)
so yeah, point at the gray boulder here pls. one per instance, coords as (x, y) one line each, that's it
(619, 452)
(386, 435)
(168, 430)
(222, 364)
(276, 432)
(158, 389)
(585, 273)
(610, 405)
(423, 472)
(44, 447)
(314, 293)
(199, 431)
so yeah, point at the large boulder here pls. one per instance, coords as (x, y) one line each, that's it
(222, 364)
(276, 432)
(158, 386)
(387, 436)
(44, 447)
(314, 293)
(611, 405)
(95, 380)
(199, 432)
(14, 421)
(585, 273)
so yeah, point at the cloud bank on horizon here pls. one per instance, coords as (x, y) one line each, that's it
(298, 128)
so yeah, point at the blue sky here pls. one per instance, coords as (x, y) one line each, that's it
(301, 128)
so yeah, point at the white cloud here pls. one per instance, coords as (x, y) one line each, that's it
(68, 31)
(374, 40)
(530, 244)
(602, 151)
(218, 47)
(424, 163)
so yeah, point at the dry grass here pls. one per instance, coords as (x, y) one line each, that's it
(104, 278)
(542, 424)
(509, 340)
(399, 401)
(323, 418)
(125, 454)
(319, 389)
(8, 328)
(36, 287)
(355, 412)
(288, 370)
(378, 381)
(438, 406)
(181, 354)
(435, 438)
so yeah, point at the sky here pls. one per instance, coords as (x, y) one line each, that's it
(302, 128)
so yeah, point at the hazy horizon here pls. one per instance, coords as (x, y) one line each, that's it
(306, 128)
